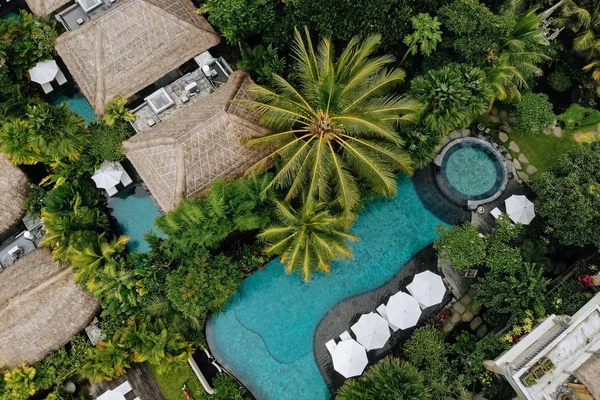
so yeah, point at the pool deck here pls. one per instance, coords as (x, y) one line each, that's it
(346, 312)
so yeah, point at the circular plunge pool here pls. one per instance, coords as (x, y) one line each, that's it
(471, 170)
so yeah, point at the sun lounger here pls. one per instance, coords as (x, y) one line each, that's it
(112, 191)
(47, 87)
(60, 78)
(345, 336)
(496, 213)
(123, 388)
(126, 179)
(381, 311)
(331, 345)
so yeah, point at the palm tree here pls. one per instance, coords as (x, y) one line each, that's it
(58, 133)
(308, 239)
(92, 259)
(451, 96)
(105, 361)
(391, 379)
(426, 33)
(15, 136)
(335, 125)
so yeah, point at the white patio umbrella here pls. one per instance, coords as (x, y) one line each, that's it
(107, 176)
(371, 331)
(403, 311)
(349, 358)
(519, 209)
(44, 71)
(427, 288)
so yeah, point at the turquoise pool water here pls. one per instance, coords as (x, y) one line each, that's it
(266, 332)
(77, 104)
(135, 211)
(471, 171)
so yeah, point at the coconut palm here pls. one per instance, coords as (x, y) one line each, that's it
(15, 136)
(451, 96)
(105, 361)
(308, 239)
(391, 379)
(336, 124)
(58, 133)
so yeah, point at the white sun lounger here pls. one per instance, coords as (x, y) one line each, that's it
(112, 191)
(126, 179)
(381, 311)
(123, 388)
(47, 87)
(496, 213)
(345, 336)
(331, 345)
(60, 78)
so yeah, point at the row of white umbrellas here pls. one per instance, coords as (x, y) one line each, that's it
(372, 331)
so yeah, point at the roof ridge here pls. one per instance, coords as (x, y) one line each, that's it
(177, 19)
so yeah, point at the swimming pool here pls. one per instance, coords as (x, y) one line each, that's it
(266, 333)
(135, 211)
(77, 104)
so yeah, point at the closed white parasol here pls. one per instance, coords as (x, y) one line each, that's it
(44, 72)
(349, 358)
(403, 311)
(428, 288)
(371, 331)
(519, 209)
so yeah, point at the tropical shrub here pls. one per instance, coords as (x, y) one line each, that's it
(263, 61)
(533, 114)
(227, 388)
(34, 203)
(53, 370)
(240, 19)
(390, 379)
(19, 383)
(470, 363)
(578, 116)
(570, 193)
(308, 239)
(451, 96)
(461, 245)
(567, 298)
(116, 111)
(420, 143)
(559, 80)
(336, 126)
(104, 362)
(106, 140)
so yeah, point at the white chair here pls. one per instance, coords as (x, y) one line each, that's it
(60, 77)
(345, 336)
(112, 191)
(123, 388)
(496, 213)
(47, 87)
(331, 345)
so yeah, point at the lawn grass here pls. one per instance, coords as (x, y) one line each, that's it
(171, 384)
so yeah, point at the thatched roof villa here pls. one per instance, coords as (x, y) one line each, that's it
(41, 308)
(14, 188)
(181, 156)
(132, 45)
(45, 7)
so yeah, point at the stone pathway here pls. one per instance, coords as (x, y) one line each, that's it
(466, 309)
(523, 172)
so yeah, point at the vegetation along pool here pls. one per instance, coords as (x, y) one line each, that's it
(77, 104)
(135, 211)
(266, 333)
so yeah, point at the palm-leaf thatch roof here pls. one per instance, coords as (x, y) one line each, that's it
(133, 45)
(589, 374)
(184, 154)
(45, 7)
(14, 189)
(41, 308)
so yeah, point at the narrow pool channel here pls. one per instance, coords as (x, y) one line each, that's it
(265, 335)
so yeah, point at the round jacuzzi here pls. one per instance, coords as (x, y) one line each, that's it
(471, 171)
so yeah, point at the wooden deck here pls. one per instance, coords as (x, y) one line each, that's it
(141, 380)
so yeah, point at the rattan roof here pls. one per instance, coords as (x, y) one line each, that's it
(184, 154)
(45, 7)
(14, 188)
(41, 308)
(133, 45)
(589, 374)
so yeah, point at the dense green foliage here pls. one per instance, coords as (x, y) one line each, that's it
(570, 195)
(237, 19)
(426, 35)
(461, 245)
(105, 142)
(533, 114)
(578, 116)
(263, 61)
(390, 379)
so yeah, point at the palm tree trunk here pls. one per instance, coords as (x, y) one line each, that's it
(546, 14)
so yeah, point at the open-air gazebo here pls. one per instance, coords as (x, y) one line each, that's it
(182, 155)
(41, 308)
(132, 45)
(14, 189)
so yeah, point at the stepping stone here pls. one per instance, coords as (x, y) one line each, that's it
(476, 323)
(494, 111)
(503, 136)
(517, 164)
(454, 135)
(531, 170)
(514, 147)
(455, 318)
(466, 299)
(481, 332)
(547, 131)
(448, 327)
(458, 308)
(523, 159)
(495, 119)
(523, 176)
(475, 308)
(503, 114)
(467, 317)
(465, 132)
(557, 131)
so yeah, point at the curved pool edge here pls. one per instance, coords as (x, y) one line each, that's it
(221, 361)
(343, 314)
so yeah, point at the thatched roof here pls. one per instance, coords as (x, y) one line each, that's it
(184, 154)
(589, 374)
(14, 189)
(45, 7)
(41, 308)
(133, 45)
